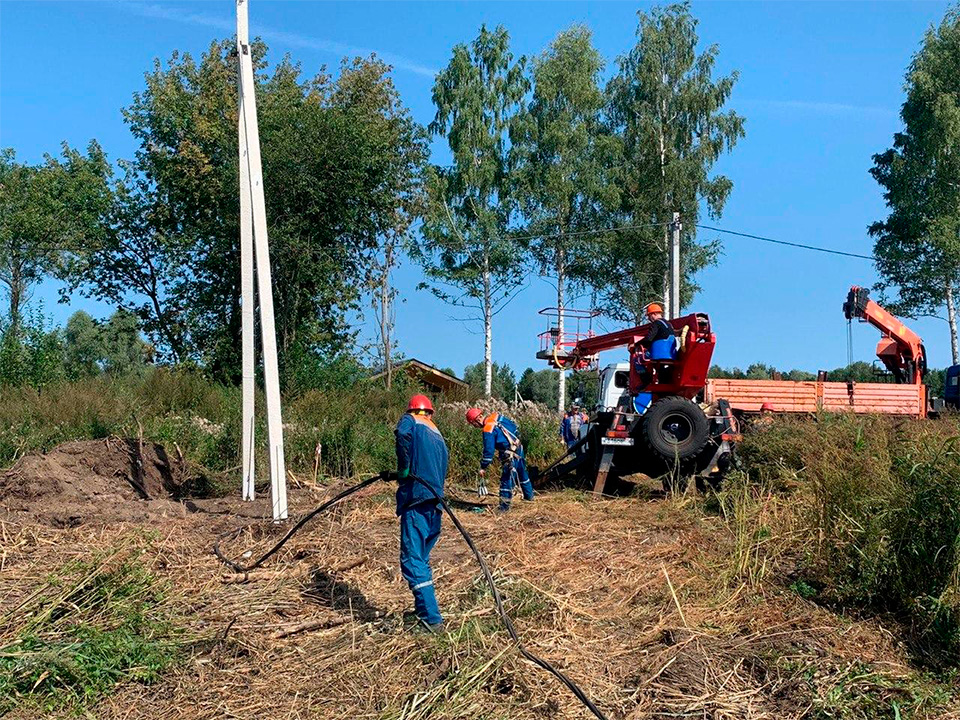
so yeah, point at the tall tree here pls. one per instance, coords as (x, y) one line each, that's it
(559, 151)
(918, 246)
(467, 249)
(334, 188)
(666, 108)
(398, 156)
(47, 211)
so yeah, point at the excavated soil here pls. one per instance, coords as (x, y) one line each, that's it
(93, 480)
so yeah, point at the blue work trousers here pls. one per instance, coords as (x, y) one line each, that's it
(419, 530)
(514, 473)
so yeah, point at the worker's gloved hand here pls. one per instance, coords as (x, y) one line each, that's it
(482, 489)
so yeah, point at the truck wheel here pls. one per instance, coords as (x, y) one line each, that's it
(675, 428)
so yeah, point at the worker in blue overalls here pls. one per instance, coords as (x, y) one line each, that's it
(500, 435)
(570, 427)
(421, 452)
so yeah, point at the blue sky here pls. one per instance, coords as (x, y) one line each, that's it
(820, 86)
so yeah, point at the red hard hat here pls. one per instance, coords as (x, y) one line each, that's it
(473, 414)
(420, 402)
(653, 308)
(766, 407)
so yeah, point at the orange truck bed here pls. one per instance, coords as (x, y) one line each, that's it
(811, 396)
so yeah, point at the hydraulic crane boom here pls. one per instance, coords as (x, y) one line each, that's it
(900, 349)
(683, 374)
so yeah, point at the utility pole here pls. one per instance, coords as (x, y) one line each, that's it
(256, 219)
(247, 301)
(674, 302)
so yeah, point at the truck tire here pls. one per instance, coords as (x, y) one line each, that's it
(675, 428)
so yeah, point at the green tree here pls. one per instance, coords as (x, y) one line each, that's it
(83, 349)
(48, 211)
(918, 245)
(666, 108)
(559, 151)
(30, 353)
(504, 381)
(467, 250)
(538, 386)
(336, 184)
(124, 350)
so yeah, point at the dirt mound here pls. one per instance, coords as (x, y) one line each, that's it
(109, 479)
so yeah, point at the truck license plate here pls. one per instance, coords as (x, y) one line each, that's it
(616, 441)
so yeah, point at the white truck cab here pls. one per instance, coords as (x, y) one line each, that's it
(614, 384)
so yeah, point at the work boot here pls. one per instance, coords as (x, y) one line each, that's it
(425, 628)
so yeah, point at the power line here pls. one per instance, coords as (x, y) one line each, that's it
(581, 233)
(790, 244)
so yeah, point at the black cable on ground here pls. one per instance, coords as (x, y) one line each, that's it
(294, 530)
(488, 576)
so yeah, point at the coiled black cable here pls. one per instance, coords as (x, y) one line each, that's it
(488, 576)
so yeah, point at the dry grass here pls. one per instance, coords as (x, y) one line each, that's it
(319, 632)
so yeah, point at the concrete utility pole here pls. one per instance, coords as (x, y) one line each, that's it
(674, 301)
(254, 217)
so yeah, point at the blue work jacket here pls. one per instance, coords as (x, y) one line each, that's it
(422, 451)
(566, 427)
(500, 435)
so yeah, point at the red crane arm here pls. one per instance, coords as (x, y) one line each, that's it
(582, 353)
(901, 349)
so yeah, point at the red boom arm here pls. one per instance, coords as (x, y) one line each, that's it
(900, 349)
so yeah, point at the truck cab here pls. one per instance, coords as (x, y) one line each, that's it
(614, 386)
(951, 387)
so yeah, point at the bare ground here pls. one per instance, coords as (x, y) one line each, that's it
(626, 596)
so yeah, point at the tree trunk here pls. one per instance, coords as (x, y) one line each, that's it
(385, 319)
(16, 298)
(562, 381)
(487, 331)
(952, 321)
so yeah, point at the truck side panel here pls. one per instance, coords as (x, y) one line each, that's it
(809, 396)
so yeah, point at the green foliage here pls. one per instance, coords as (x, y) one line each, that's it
(918, 244)
(538, 385)
(878, 513)
(665, 109)
(467, 250)
(91, 627)
(30, 354)
(541, 386)
(48, 211)
(343, 160)
(503, 380)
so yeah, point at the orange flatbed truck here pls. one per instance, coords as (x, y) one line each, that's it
(900, 350)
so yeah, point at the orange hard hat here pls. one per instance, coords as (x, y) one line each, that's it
(653, 308)
(766, 407)
(473, 414)
(420, 402)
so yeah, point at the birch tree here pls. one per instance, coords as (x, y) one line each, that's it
(558, 152)
(467, 251)
(666, 108)
(918, 245)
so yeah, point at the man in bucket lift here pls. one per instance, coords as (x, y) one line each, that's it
(421, 452)
(500, 434)
(660, 330)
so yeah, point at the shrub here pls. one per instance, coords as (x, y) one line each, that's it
(877, 501)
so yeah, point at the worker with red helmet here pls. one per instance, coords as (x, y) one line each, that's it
(501, 435)
(421, 453)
